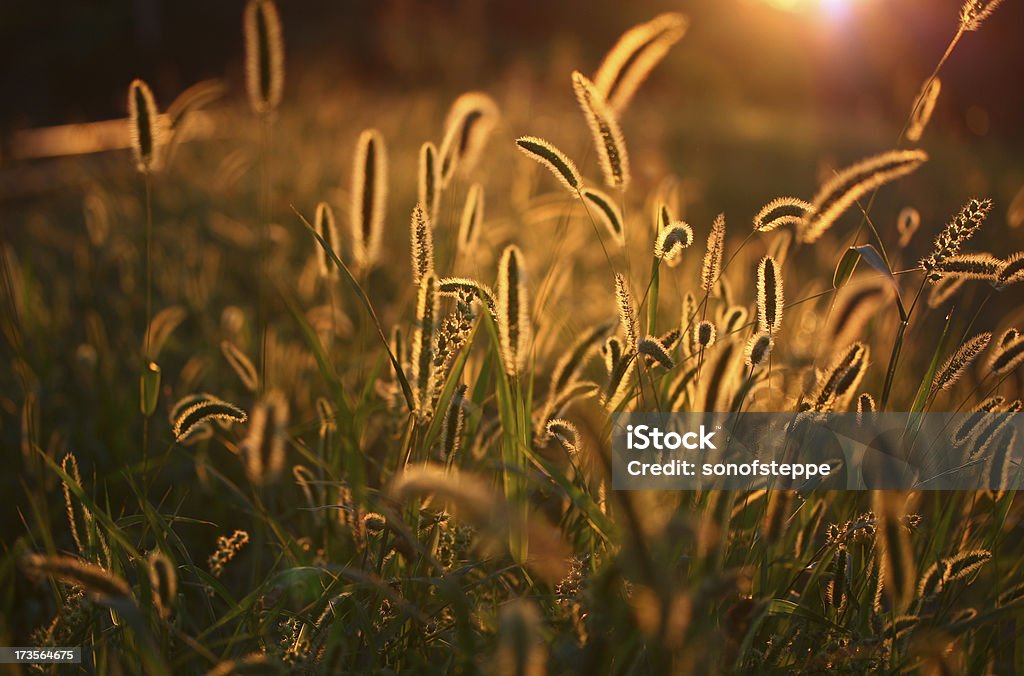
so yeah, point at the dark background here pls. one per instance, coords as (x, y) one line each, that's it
(70, 60)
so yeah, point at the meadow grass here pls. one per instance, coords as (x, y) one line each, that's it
(413, 473)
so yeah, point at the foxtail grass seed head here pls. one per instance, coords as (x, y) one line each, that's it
(846, 369)
(954, 367)
(961, 228)
(1007, 357)
(240, 364)
(464, 286)
(944, 289)
(704, 335)
(264, 55)
(1012, 271)
(865, 407)
(263, 450)
(202, 412)
(627, 314)
(604, 127)
(850, 184)
(421, 237)
(468, 126)
(472, 218)
(227, 550)
(565, 433)
(779, 212)
(369, 197)
(144, 125)
(652, 348)
(635, 55)
(163, 581)
(325, 226)
(451, 426)
(560, 166)
(733, 319)
(672, 240)
(429, 187)
(689, 311)
(924, 106)
(102, 586)
(770, 298)
(968, 427)
(711, 270)
(978, 266)
(611, 353)
(424, 343)
(907, 224)
(607, 212)
(1000, 463)
(513, 310)
(974, 12)
(70, 466)
(1008, 337)
(757, 349)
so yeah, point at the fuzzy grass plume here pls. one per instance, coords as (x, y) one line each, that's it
(850, 184)
(369, 197)
(604, 127)
(264, 55)
(513, 311)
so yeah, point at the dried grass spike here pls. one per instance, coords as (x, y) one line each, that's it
(565, 433)
(554, 159)
(240, 364)
(429, 186)
(850, 184)
(369, 197)
(703, 335)
(960, 229)
(325, 225)
(907, 223)
(469, 124)
(607, 213)
(102, 586)
(924, 106)
(634, 55)
(980, 266)
(779, 212)
(163, 580)
(627, 315)
(954, 367)
(711, 270)
(770, 298)
(421, 239)
(472, 218)
(263, 449)
(264, 55)
(672, 240)
(652, 348)
(974, 12)
(451, 426)
(205, 411)
(757, 349)
(144, 125)
(604, 127)
(421, 359)
(1008, 357)
(513, 310)
(1012, 271)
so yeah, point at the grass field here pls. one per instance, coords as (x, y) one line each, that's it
(322, 382)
